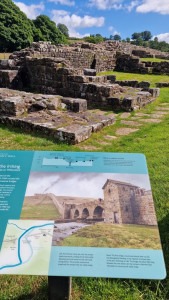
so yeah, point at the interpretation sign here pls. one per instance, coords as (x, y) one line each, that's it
(78, 214)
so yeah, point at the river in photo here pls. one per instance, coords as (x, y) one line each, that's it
(63, 230)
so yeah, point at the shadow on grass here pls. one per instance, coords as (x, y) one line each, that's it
(164, 234)
(39, 294)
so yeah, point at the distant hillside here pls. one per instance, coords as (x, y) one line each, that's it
(48, 206)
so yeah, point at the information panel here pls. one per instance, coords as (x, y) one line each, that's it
(78, 214)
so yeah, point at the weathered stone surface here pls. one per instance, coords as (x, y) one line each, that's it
(42, 114)
(90, 72)
(8, 78)
(73, 134)
(76, 105)
(13, 106)
(130, 123)
(155, 92)
(162, 84)
(126, 131)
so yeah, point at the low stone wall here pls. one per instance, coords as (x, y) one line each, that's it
(62, 119)
(133, 64)
(130, 64)
(158, 67)
(162, 84)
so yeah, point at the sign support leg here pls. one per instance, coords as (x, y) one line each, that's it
(59, 288)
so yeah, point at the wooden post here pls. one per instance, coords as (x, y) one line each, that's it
(59, 288)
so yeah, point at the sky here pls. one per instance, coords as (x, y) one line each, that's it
(107, 17)
(79, 184)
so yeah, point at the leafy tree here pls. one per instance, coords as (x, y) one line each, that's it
(16, 30)
(95, 39)
(63, 28)
(146, 35)
(48, 30)
(128, 40)
(136, 35)
(117, 37)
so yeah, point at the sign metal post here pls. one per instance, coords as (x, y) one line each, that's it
(59, 288)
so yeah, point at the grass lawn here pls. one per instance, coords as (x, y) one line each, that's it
(153, 59)
(4, 55)
(41, 212)
(115, 236)
(153, 141)
(153, 79)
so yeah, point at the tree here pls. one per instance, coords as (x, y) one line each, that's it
(48, 30)
(136, 35)
(63, 28)
(95, 39)
(117, 37)
(146, 35)
(16, 30)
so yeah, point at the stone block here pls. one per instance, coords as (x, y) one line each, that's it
(13, 106)
(114, 102)
(112, 78)
(155, 92)
(162, 84)
(75, 105)
(7, 64)
(127, 104)
(7, 78)
(90, 72)
(144, 84)
(73, 134)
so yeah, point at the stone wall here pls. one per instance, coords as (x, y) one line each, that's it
(78, 56)
(132, 64)
(128, 204)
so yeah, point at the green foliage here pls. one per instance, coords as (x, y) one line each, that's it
(144, 39)
(117, 37)
(63, 28)
(16, 30)
(144, 35)
(94, 38)
(48, 30)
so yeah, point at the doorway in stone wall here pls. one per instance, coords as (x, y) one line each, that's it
(93, 64)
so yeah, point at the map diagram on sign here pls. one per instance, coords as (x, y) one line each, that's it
(26, 247)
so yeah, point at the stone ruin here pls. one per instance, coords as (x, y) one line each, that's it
(55, 90)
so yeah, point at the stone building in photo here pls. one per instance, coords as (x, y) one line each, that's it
(125, 203)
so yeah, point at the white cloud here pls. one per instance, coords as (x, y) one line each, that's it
(163, 37)
(106, 4)
(63, 2)
(87, 184)
(32, 11)
(73, 21)
(157, 6)
(132, 5)
(113, 31)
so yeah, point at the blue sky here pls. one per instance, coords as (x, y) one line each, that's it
(107, 17)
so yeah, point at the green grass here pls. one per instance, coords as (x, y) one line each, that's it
(4, 55)
(153, 79)
(40, 211)
(150, 59)
(153, 141)
(114, 236)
